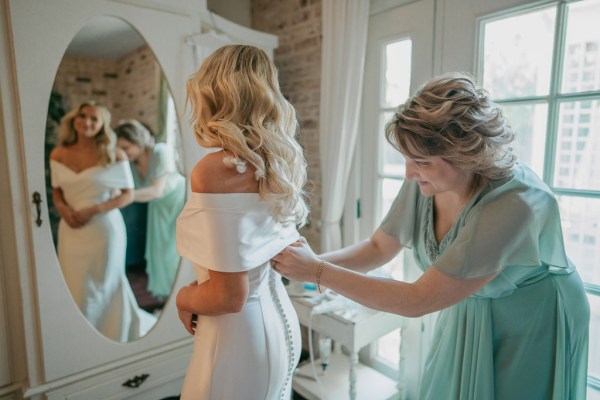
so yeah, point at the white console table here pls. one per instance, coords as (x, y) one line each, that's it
(353, 328)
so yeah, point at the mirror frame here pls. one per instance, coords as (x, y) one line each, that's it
(92, 68)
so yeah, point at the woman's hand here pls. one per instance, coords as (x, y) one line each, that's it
(188, 319)
(70, 217)
(297, 262)
(84, 215)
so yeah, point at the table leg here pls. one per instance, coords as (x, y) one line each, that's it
(353, 364)
(402, 365)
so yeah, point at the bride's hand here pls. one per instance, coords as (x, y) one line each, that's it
(188, 320)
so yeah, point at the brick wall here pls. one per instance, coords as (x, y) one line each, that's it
(129, 87)
(297, 23)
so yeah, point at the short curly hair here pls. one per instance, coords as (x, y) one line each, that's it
(451, 117)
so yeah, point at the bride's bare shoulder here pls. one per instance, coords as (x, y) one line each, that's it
(214, 173)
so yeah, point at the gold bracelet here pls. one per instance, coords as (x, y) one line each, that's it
(319, 271)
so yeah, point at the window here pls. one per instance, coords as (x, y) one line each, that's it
(394, 90)
(542, 64)
(549, 91)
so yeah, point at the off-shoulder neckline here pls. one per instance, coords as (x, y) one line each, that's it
(85, 169)
(224, 194)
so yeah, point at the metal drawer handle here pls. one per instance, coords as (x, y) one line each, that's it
(37, 200)
(136, 381)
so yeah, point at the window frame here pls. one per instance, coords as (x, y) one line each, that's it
(553, 99)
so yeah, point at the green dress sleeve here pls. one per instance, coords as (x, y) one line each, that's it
(401, 219)
(516, 224)
(162, 161)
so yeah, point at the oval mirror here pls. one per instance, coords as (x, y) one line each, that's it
(114, 176)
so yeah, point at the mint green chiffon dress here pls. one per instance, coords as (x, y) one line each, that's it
(525, 334)
(161, 254)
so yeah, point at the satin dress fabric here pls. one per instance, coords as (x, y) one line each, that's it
(253, 353)
(92, 258)
(524, 335)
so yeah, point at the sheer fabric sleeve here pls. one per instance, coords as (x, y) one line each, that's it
(401, 219)
(162, 161)
(518, 227)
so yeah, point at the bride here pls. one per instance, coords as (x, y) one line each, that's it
(246, 203)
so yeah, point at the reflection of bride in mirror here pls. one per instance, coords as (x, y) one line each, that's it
(91, 180)
(157, 182)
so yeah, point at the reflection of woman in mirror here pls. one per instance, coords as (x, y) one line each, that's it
(91, 179)
(245, 204)
(157, 182)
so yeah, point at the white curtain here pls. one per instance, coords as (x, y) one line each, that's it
(343, 58)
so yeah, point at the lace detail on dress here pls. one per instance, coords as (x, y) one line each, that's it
(432, 247)
(288, 334)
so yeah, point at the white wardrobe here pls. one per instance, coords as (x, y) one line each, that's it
(48, 350)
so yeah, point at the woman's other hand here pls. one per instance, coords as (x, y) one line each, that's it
(297, 262)
(189, 320)
(70, 217)
(84, 215)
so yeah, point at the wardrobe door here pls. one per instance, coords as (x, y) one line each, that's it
(69, 346)
(5, 376)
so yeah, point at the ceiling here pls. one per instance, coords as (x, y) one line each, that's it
(105, 37)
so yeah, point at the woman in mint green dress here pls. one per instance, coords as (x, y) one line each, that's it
(513, 315)
(158, 183)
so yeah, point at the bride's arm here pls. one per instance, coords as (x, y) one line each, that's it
(224, 292)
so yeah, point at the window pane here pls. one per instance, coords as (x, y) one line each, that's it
(387, 348)
(393, 161)
(397, 72)
(581, 231)
(529, 123)
(577, 164)
(581, 68)
(389, 191)
(594, 360)
(518, 54)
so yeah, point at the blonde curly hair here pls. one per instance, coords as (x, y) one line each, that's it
(451, 117)
(105, 139)
(237, 106)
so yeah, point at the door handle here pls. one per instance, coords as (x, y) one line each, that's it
(37, 200)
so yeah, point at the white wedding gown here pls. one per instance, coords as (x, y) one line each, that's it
(249, 355)
(92, 257)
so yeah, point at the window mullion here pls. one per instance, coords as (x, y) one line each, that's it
(555, 81)
(575, 192)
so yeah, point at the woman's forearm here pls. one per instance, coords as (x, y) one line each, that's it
(155, 190)
(433, 291)
(361, 256)
(377, 293)
(120, 201)
(147, 194)
(365, 255)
